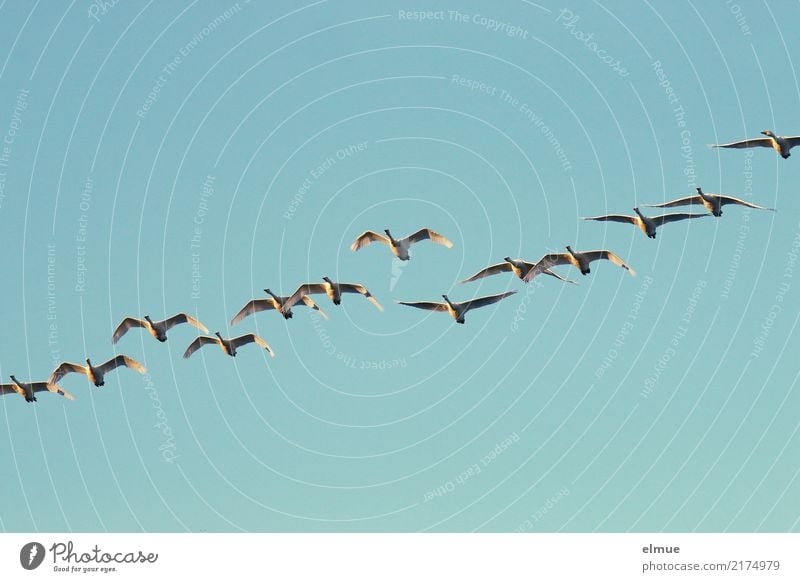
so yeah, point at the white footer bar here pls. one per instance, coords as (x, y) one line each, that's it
(390, 557)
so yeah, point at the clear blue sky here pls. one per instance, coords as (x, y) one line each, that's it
(160, 158)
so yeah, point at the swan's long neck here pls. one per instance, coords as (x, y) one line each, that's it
(390, 236)
(701, 193)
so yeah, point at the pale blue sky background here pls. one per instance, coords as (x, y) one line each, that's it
(358, 420)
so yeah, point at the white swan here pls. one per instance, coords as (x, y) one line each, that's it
(517, 266)
(580, 260)
(399, 247)
(647, 224)
(781, 144)
(278, 303)
(96, 374)
(228, 345)
(712, 202)
(457, 310)
(28, 389)
(158, 329)
(332, 290)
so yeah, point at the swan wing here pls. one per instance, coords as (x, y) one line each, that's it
(308, 302)
(723, 200)
(615, 218)
(792, 140)
(757, 142)
(484, 301)
(366, 238)
(51, 387)
(557, 276)
(357, 288)
(429, 305)
(184, 318)
(427, 233)
(125, 325)
(674, 217)
(65, 393)
(488, 271)
(537, 269)
(609, 256)
(118, 361)
(305, 289)
(11, 389)
(65, 368)
(254, 306)
(199, 343)
(250, 338)
(688, 200)
(545, 263)
(554, 259)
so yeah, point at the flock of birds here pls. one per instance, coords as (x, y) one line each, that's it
(524, 270)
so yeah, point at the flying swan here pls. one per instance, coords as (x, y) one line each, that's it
(399, 247)
(276, 302)
(712, 202)
(333, 291)
(28, 389)
(96, 374)
(517, 266)
(647, 224)
(580, 260)
(227, 345)
(457, 310)
(781, 144)
(158, 329)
